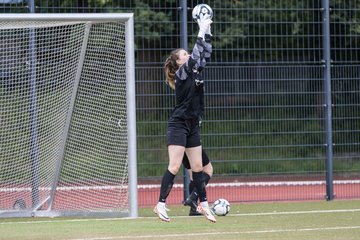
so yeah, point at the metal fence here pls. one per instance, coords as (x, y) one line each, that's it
(268, 129)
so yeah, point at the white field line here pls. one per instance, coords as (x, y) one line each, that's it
(151, 186)
(229, 215)
(165, 236)
(297, 212)
(260, 184)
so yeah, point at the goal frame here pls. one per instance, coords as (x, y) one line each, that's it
(128, 20)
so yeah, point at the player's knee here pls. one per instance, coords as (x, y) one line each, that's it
(197, 168)
(174, 169)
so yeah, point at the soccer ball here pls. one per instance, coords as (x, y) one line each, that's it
(202, 9)
(221, 207)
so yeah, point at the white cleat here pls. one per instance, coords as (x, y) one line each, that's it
(207, 213)
(161, 211)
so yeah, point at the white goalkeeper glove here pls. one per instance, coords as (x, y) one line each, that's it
(204, 27)
(209, 30)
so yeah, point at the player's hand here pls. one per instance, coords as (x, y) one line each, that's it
(209, 28)
(204, 26)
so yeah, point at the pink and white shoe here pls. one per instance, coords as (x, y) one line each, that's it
(161, 211)
(205, 210)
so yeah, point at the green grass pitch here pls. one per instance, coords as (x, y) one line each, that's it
(323, 220)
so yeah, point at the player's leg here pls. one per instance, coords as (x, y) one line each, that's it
(195, 158)
(208, 171)
(175, 159)
(176, 139)
(188, 201)
(192, 199)
(193, 205)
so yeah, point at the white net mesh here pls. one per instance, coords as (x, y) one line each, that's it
(39, 65)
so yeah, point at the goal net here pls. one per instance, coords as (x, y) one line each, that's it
(67, 115)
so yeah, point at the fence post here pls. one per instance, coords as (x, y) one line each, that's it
(184, 44)
(327, 99)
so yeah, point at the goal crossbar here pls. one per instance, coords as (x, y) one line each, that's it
(123, 17)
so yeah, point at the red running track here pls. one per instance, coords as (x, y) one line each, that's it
(257, 192)
(109, 197)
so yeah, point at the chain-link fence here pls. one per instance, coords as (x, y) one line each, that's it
(266, 125)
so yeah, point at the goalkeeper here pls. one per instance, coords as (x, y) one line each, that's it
(182, 71)
(192, 199)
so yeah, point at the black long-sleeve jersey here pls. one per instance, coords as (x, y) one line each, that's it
(189, 84)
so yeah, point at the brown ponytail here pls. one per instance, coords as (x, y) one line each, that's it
(170, 67)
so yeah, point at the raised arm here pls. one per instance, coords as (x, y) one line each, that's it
(203, 47)
(201, 52)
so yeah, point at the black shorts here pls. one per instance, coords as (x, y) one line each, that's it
(183, 133)
(205, 160)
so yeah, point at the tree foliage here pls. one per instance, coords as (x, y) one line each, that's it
(258, 30)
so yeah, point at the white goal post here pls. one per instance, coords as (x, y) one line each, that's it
(68, 119)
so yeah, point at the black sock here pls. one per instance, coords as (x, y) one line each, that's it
(198, 179)
(191, 186)
(192, 189)
(166, 185)
(206, 178)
